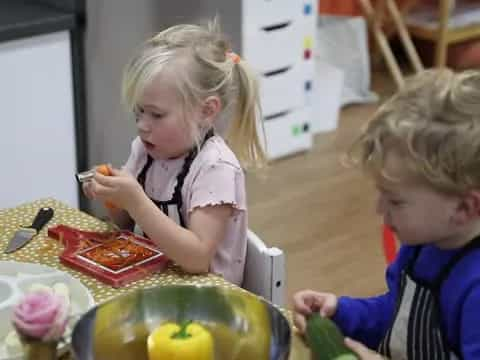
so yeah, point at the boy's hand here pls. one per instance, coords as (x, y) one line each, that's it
(362, 351)
(307, 301)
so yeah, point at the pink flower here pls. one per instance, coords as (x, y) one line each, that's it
(41, 315)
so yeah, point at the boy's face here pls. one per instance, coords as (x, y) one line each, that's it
(417, 213)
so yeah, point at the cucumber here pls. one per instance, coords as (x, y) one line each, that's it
(326, 340)
(347, 357)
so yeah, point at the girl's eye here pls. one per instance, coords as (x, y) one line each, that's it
(150, 114)
(138, 110)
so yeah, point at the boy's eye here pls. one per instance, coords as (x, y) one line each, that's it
(395, 202)
(157, 115)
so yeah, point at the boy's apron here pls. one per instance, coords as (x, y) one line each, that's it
(173, 207)
(416, 332)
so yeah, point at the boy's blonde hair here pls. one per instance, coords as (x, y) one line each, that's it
(201, 61)
(433, 123)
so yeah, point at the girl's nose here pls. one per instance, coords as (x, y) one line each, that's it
(142, 124)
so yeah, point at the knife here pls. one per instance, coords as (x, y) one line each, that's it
(24, 235)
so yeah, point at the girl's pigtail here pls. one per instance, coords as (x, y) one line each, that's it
(247, 124)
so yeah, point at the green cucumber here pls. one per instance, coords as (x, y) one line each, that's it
(326, 340)
(347, 357)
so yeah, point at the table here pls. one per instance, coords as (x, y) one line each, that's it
(44, 250)
(374, 16)
(443, 32)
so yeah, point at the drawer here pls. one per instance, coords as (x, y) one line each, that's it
(273, 47)
(268, 12)
(309, 18)
(288, 133)
(282, 89)
(311, 82)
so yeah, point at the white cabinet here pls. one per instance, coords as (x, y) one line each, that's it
(37, 134)
(278, 42)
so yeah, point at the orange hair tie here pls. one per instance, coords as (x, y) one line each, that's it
(234, 56)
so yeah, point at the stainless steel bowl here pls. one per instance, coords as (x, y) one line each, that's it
(243, 326)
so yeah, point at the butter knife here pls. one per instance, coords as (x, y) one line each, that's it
(24, 235)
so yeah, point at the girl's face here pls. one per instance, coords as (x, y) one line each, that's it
(161, 120)
(417, 213)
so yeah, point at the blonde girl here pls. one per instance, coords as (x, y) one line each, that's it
(196, 107)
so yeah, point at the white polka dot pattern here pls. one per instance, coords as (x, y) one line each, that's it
(45, 250)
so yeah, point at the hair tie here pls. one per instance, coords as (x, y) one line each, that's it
(234, 56)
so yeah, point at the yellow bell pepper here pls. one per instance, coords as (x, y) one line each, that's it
(180, 342)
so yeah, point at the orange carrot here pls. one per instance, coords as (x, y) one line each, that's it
(104, 169)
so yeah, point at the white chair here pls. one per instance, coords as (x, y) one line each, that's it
(264, 270)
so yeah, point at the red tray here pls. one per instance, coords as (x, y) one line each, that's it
(134, 257)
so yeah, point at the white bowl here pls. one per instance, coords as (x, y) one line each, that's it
(15, 280)
(7, 291)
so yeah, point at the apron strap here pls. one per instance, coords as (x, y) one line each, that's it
(472, 245)
(177, 192)
(143, 174)
(413, 259)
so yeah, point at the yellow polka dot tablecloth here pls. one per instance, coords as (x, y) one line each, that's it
(44, 250)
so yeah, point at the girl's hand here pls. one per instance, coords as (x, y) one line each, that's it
(88, 190)
(120, 189)
(307, 301)
(362, 351)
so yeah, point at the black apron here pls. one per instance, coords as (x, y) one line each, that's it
(416, 332)
(173, 207)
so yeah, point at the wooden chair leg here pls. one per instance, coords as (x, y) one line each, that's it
(442, 37)
(382, 42)
(405, 36)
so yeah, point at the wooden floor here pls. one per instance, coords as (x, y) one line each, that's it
(322, 214)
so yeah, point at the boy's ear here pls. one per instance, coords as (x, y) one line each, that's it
(468, 207)
(210, 109)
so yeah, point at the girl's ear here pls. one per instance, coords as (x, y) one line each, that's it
(210, 109)
(468, 207)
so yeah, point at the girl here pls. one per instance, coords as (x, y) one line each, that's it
(182, 184)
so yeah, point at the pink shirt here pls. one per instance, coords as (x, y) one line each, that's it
(215, 177)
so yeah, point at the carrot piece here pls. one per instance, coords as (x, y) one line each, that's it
(104, 169)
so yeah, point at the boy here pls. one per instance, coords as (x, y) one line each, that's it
(422, 149)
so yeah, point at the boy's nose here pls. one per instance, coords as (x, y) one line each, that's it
(380, 208)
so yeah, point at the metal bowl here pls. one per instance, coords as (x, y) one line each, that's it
(243, 326)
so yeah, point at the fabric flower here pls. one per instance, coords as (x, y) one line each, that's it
(41, 315)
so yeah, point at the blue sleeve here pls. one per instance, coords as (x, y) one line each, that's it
(469, 329)
(367, 320)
